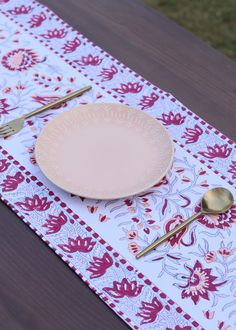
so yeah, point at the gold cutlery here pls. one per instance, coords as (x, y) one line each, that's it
(214, 201)
(15, 125)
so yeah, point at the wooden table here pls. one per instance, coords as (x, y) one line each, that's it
(37, 290)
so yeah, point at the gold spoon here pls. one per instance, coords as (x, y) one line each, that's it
(214, 201)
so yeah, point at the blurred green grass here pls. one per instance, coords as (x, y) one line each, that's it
(214, 21)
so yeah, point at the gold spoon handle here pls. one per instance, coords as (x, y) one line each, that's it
(168, 235)
(58, 102)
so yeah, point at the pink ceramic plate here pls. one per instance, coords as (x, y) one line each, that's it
(104, 151)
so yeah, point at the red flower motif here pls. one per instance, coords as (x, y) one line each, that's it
(4, 107)
(128, 202)
(131, 234)
(31, 150)
(217, 151)
(12, 182)
(124, 288)
(37, 20)
(149, 311)
(201, 171)
(199, 283)
(99, 266)
(223, 326)
(71, 46)
(177, 239)
(208, 314)
(20, 87)
(233, 169)
(172, 119)
(20, 10)
(210, 256)
(107, 74)
(89, 60)
(129, 88)
(7, 90)
(148, 101)
(79, 244)
(54, 223)
(134, 247)
(103, 218)
(55, 34)
(20, 59)
(92, 209)
(192, 134)
(34, 204)
(4, 165)
(225, 252)
(221, 221)
(47, 99)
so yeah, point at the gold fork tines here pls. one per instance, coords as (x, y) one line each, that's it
(11, 127)
(15, 125)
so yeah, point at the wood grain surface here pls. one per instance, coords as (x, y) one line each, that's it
(37, 290)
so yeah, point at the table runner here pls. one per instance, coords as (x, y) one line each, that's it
(43, 58)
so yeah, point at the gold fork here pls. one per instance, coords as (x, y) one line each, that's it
(15, 125)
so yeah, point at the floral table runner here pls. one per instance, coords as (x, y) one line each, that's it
(188, 283)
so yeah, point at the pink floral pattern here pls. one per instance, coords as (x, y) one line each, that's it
(225, 252)
(177, 239)
(35, 204)
(89, 60)
(4, 107)
(20, 59)
(31, 149)
(21, 10)
(129, 88)
(132, 234)
(223, 326)
(54, 223)
(99, 266)
(134, 247)
(79, 244)
(55, 34)
(149, 311)
(148, 101)
(92, 209)
(217, 151)
(208, 314)
(108, 73)
(4, 164)
(71, 45)
(37, 20)
(124, 289)
(12, 182)
(199, 283)
(221, 221)
(103, 218)
(192, 134)
(232, 169)
(210, 256)
(172, 119)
